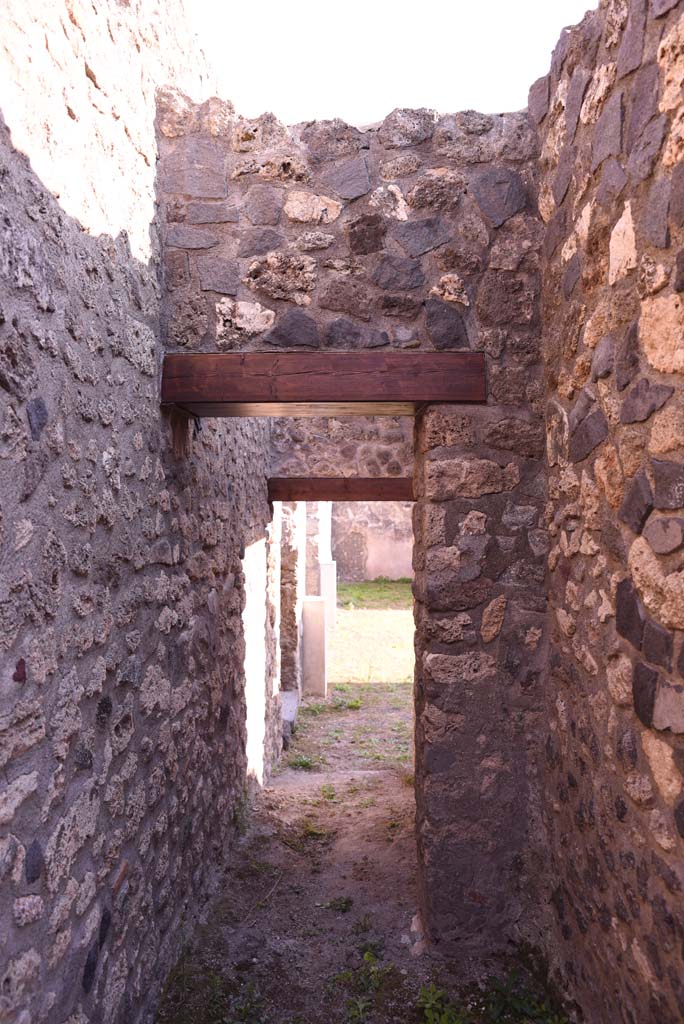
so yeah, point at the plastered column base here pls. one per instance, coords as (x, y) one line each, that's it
(328, 571)
(314, 663)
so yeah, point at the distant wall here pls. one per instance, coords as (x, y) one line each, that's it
(612, 195)
(371, 539)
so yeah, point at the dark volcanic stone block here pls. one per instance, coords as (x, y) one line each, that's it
(607, 139)
(35, 862)
(419, 236)
(294, 329)
(629, 613)
(564, 173)
(668, 478)
(644, 99)
(37, 414)
(376, 339)
(590, 433)
(665, 534)
(217, 274)
(679, 812)
(348, 179)
(646, 149)
(397, 272)
(613, 180)
(571, 275)
(556, 232)
(182, 236)
(656, 645)
(538, 99)
(259, 241)
(211, 213)
(644, 689)
(573, 104)
(585, 401)
(197, 167)
(500, 193)
(638, 503)
(677, 196)
(643, 400)
(678, 274)
(632, 45)
(660, 7)
(653, 220)
(445, 325)
(263, 204)
(627, 357)
(366, 234)
(602, 361)
(90, 967)
(343, 333)
(400, 305)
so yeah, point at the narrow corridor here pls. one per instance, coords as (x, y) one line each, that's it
(315, 921)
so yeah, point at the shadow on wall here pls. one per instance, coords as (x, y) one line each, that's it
(124, 575)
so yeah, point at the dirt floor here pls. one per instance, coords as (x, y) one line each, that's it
(314, 923)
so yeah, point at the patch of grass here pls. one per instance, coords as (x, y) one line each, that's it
(336, 704)
(499, 1002)
(379, 593)
(328, 792)
(393, 827)
(436, 1008)
(302, 762)
(313, 709)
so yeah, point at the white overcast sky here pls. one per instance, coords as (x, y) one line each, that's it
(358, 59)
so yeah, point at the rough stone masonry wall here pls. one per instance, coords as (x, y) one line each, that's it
(420, 233)
(324, 236)
(122, 729)
(372, 538)
(612, 193)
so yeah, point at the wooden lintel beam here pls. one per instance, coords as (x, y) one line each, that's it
(358, 383)
(340, 488)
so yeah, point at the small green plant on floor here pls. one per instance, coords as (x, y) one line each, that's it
(509, 1000)
(500, 1002)
(363, 925)
(342, 904)
(247, 1007)
(358, 1008)
(302, 762)
(436, 1008)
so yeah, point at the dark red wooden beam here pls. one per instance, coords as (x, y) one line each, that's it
(340, 488)
(320, 383)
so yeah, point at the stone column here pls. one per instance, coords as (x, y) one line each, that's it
(479, 587)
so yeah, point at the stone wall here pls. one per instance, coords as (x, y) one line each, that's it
(480, 666)
(612, 193)
(371, 539)
(122, 565)
(421, 233)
